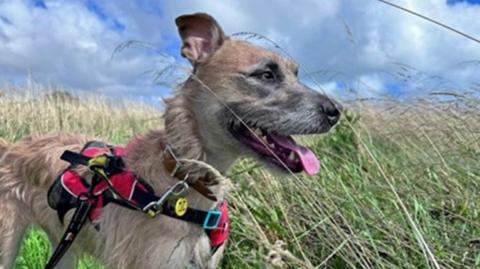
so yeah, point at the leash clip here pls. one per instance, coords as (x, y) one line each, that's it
(153, 208)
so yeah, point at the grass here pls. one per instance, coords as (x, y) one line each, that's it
(399, 185)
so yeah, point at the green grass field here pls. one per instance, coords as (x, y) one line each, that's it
(399, 185)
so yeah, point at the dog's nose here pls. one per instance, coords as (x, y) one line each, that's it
(332, 111)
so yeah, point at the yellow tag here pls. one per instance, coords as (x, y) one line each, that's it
(181, 206)
(151, 213)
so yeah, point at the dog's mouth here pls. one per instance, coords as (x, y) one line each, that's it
(277, 149)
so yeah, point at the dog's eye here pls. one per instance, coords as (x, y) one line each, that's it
(267, 76)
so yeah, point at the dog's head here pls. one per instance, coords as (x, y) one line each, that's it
(248, 99)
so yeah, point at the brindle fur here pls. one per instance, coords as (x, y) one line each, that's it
(195, 126)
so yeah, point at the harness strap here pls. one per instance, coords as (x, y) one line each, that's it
(78, 220)
(143, 197)
(169, 162)
(207, 219)
(106, 165)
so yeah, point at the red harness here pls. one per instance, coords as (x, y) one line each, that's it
(70, 186)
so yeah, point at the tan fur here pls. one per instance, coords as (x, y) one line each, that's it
(29, 167)
(127, 238)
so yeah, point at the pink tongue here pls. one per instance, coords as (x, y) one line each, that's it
(310, 163)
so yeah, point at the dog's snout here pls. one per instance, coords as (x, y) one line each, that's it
(331, 109)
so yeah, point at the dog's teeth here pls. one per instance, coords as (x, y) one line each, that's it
(291, 156)
(272, 145)
(258, 132)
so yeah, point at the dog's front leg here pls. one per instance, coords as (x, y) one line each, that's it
(12, 230)
(212, 263)
(216, 258)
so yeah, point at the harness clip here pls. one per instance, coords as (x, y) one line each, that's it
(155, 207)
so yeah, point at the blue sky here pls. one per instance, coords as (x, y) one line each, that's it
(347, 48)
(473, 2)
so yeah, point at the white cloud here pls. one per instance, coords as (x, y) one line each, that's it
(69, 45)
(351, 41)
(360, 40)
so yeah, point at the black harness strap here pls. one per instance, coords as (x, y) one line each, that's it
(78, 220)
(142, 198)
(206, 219)
(76, 223)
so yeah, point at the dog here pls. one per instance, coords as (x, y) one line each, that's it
(241, 99)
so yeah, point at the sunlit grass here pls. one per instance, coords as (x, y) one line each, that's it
(393, 175)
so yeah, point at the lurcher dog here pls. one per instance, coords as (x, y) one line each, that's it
(241, 99)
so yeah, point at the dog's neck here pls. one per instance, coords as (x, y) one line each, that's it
(183, 136)
(146, 154)
(183, 132)
(181, 129)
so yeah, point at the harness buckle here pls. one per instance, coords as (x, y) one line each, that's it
(99, 161)
(155, 207)
(99, 164)
(212, 219)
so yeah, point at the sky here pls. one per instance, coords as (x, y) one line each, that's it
(347, 48)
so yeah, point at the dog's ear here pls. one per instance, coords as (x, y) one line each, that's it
(201, 36)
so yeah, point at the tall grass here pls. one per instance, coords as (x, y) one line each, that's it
(399, 185)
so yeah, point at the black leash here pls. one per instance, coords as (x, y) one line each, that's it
(76, 223)
(105, 165)
(78, 220)
(81, 212)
